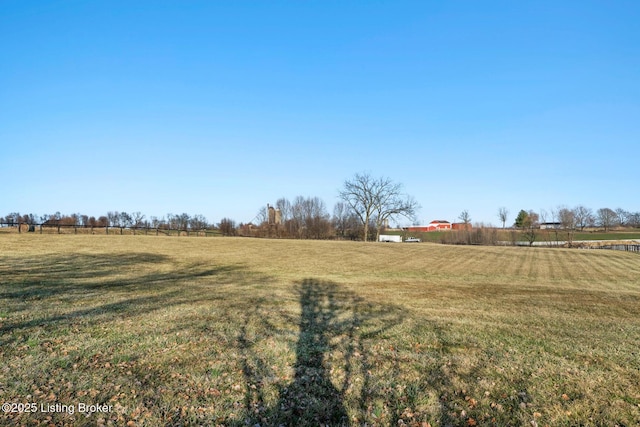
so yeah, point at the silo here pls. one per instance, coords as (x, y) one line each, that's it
(271, 215)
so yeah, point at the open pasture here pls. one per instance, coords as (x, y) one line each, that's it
(230, 331)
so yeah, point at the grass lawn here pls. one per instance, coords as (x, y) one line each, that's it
(173, 331)
(612, 235)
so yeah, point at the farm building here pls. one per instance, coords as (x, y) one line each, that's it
(435, 225)
(550, 225)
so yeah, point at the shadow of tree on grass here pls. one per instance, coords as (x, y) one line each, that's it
(312, 398)
(363, 363)
(329, 355)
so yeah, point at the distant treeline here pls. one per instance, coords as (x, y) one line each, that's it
(302, 218)
(113, 219)
(367, 206)
(308, 218)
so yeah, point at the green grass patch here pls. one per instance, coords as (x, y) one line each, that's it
(236, 332)
(601, 235)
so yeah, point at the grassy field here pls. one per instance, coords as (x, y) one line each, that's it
(229, 331)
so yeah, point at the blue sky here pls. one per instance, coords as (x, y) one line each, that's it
(219, 107)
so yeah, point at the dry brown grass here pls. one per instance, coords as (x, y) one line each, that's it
(231, 331)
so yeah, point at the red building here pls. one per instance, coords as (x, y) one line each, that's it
(435, 225)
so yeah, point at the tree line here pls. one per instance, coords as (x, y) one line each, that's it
(301, 218)
(113, 219)
(580, 218)
(366, 206)
(561, 223)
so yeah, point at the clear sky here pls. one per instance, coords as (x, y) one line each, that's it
(219, 107)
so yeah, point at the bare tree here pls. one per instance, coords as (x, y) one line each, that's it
(376, 200)
(114, 218)
(102, 221)
(198, 222)
(359, 194)
(262, 215)
(154, 222)
(552, 221)
(182, 221)
(606, 218)
(227, 227)
(137, 218)
(12, 219)
(340, 218)
(345, 222)
(286, 212)
(285, 208)
(30, 219)
(622, 216)
(503, 214)
(584, 217)
(56, 219)
(307, 218)
(465, 218)
(568, 222)
(296, 223)
(544, 215)
(316, 219)
(125, 221)
(532, 224)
